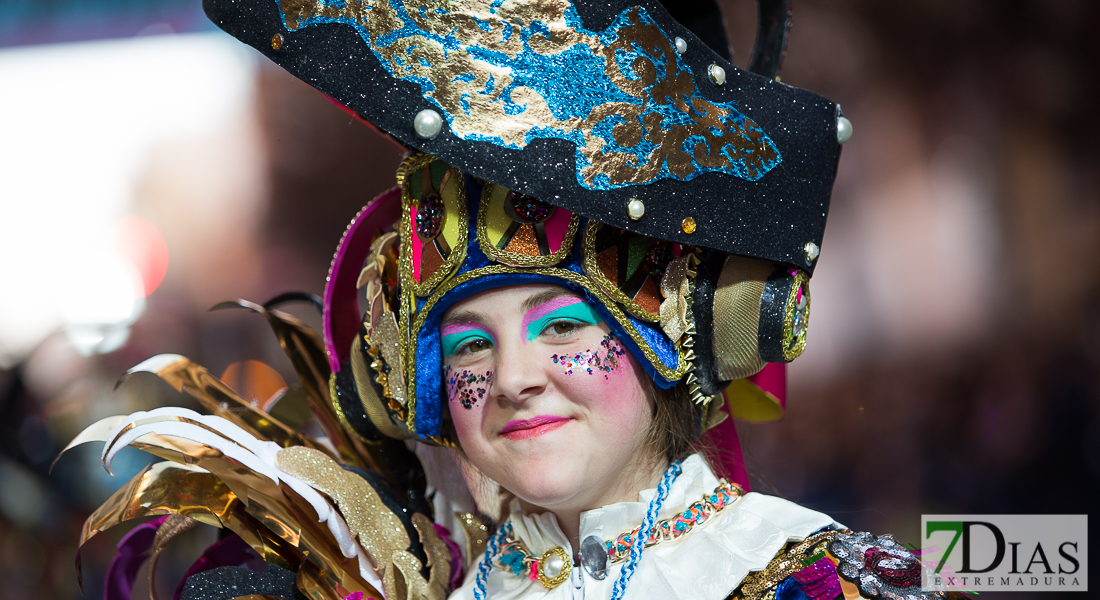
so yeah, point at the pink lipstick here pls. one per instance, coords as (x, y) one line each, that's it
(529, 428)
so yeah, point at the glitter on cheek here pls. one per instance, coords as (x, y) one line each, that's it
(605, 358)
(466, 387)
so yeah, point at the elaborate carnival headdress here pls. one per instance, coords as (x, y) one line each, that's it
(604, 147)
(600, 146)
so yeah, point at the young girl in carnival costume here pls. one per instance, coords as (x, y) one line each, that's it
(599, 246)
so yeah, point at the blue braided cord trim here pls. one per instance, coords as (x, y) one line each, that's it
(486, 564)
(638, 544)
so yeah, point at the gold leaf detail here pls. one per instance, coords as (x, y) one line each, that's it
(378, 530)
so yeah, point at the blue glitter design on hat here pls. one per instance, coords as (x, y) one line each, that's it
(506, 82)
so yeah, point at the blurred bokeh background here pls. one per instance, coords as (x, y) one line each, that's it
(151, 167)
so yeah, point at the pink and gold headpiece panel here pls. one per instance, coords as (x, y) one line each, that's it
(434, 221)
(522, 231)
(517, 230)
(510, 228)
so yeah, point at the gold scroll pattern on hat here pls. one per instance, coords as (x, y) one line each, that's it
(470, 89)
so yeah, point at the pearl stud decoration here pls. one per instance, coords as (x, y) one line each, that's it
(843, 130)
(427, 123)
(552, 568)
(681, 45)
(635, 208)
(717, 74)
(811, 251)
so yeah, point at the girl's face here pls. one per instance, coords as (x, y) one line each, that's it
(545, 399)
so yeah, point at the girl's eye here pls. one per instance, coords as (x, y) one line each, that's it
(465, 342)
(563, 326)
(476, 345)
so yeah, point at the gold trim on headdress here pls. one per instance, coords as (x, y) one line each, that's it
(794, 342)
(593, 269)
(448, 244)
(503, 255)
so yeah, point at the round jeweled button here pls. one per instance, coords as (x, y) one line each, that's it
(594, 557)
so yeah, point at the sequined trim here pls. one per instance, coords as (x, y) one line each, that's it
(502, 255)
(758, 584)
(881, 567)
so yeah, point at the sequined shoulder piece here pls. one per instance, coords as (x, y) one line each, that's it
(835, 564)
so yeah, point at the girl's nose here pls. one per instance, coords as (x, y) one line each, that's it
(520, 371)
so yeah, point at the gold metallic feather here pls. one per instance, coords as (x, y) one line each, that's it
(187, 376)
(306, 351)
(378, 530)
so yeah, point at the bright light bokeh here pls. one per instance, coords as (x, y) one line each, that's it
(143, 245)
(79, 121)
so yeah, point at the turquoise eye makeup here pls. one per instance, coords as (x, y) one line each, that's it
(568, 307)
(466, 387)
(604, 359)
(454, 336)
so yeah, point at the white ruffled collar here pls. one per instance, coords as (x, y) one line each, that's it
(707, 564)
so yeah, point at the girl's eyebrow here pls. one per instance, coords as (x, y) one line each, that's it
(462, 317)
(543, 297)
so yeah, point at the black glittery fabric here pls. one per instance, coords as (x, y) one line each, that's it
(704, 19)
(773, 23)
(702, 307)
(772, 218)
(225, 583)
(773, 310)
(348, 398)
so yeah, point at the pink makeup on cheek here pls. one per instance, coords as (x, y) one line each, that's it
(466, 387)
(605, 358)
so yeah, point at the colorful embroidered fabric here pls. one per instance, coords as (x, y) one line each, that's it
(724, 495)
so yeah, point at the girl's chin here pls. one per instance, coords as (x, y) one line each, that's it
(545, 490)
